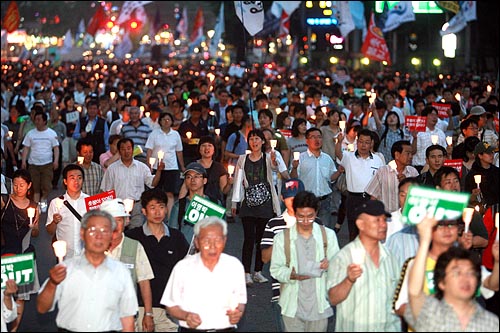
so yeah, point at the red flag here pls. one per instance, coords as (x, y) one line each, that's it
(284, 25)
(374, 46)
(97, 21)
(199, 21)
(11, 18)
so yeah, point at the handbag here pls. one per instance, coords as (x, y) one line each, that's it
(341, 183)
(257, 195)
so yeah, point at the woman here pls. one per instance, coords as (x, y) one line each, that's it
(331, 131)
(17, 229)
(389, 133)
(277, 161)
(259, 201)
(468, 158)
(297, 142)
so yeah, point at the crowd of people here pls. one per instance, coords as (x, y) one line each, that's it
(290, 156)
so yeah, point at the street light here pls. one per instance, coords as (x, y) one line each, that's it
(415, 61)
(436, 62)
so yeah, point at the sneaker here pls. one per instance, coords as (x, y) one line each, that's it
(248, 280)
(259, 278)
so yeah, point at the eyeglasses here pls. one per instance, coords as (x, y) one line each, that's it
(189, 177)
(446, 226)
(473, 128)
(217, 241)
(457, 273)
(306, 219)
(93, 231)
(315, 137)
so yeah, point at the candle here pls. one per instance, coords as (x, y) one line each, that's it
(274, 143)
(296, 155)
(59, 203)
(467, 217)
(477, 208)
(350, 147)
(217, 131)
(358, 256)
(189, 135)
(147, 114)
(477, 179)
(434, 139)
(80, 159)
(129, 205)
(393, 165)
(152, 161)
(342, 125)
(449, 140)
(212, 113)
(11, 134)
(112, 95)
(248, 152)
(160, 155)
(128, 95)
(496, 225)
(230, 170)
(31, 214)
(146, 82)
(59, 249)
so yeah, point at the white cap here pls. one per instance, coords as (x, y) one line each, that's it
(115, 207)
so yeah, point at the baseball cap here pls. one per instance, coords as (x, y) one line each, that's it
(477, 110)
(115, 207)
(196, 167)
(483, 147)
(373, 208)
(291, 187)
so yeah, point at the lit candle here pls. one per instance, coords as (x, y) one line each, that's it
(449, 140)
(342, 125)
(189, 135)
(248, 152)
(31, 214)
(11, 134)
(59, 249)
(112, 95)
(296, 155)
(160, 155)
(189, 102)
(212, 113)
(467, 217)
(350, 147)
(358, 256)
(152, 161)
(59, 204)
(393, 165)
(129, 205)
(434, 139)
(278, 110)
(217, 131)
(155, 82)
(477, 179)
(128, 95)
(273, 143)
(230, 170)
(146, 82)
(80, 159)
(147, 114)
(477, 208)
(496, 224)
(488, 88)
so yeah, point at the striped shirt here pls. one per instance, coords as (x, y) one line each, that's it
(138, 134)
(92, 179)
(424, 140)
(368, 307)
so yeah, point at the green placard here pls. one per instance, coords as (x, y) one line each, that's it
(359, 92)
(19, 268)
(199, 208)
(444, 205)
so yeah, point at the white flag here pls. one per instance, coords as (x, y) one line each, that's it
(469, 10)
(218, 30)
(124, 47)
(68, 43)
(344, 17)
(456, 24)
(399, 14)
(127, 9)
(251, 14)
(288, 6)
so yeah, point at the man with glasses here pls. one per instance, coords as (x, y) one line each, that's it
(93, 292)
(301, 255)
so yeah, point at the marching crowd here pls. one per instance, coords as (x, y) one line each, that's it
(290, 156)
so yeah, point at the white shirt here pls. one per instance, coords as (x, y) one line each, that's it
(359, 171)
(316, 172)
(41, 144)
(424, 140)
(169, 143)
(194, 288)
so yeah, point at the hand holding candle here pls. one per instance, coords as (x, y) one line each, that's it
(467, 217)
(342, 125)
(160, 155)
(217, 131)
(296, 155)
(449, 140)
(230, 170)
(189, 135)
(31, 214)
(434, 139)
(152, 161)
(59, 250)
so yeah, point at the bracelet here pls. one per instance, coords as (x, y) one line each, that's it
(149, 314)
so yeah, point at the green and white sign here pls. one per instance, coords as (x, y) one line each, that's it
(199, 208)
(443, 205)
(19, 268)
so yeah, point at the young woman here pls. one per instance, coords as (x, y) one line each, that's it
(298, 140)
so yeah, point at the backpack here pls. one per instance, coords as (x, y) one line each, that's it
(287, 243)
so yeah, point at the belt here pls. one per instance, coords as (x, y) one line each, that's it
(229, 329)
(360, 194)
(324, 197)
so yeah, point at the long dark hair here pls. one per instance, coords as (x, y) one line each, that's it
(386, 129)
(295, 126)
(26, 176)
(260, 134)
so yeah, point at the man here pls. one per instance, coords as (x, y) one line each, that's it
(360, 166)
(207, 291)
(384, 184)
(197, 128)
(457, 276)
(61, 221)
(42, 146)
(317, 169)
(132, 254)
(128, 177)
(300, 259)
(137, 130)
(289, 190)
(93, 292)
(363, 289)
(92, 170)
(164, 246)
(434, 159)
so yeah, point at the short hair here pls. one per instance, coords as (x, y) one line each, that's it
(97, 213)
(71, 167)
(267, 113)
(124, 141)
(92, 101)
(153, 194)
(434, 147)
(466, 123)
(398, 147)
(454, 253)
(443, 172)
(83, 142)
(166, 114)
(256, 132)
(428, 109)
(305, 199)
(41, 113)
(366, 132)
(313, 129)
(470, 144)
(208, 221)
(404, 181)
(114, 137)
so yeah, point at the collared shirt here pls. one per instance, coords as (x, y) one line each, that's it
(359, 171)
(403, 244)
(142, 266)
(69, 228)
(424, 140)
(93, 299)
(138, 134)
(222, 289)
(169, 143)
(384, 185)
(316, 172)
(367, 308)
(128, 182)
(93, 179)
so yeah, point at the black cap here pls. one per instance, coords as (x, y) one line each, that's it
(196, 167)
(373, 208)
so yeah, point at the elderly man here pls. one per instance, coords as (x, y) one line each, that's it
(207, 290)
(93, 292)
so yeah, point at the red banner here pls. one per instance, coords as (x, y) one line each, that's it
(95, 201)
(374, 46)
(442, 109)
(416, 123)
(97, 21)
(287, 133)
(456, 164)
(11, 19)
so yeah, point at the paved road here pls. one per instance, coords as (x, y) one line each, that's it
(258, 314)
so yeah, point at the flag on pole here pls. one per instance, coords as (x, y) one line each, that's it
(344, 17)
(97, 21)
(182, 25)
(284, 25)
(218, 30)
(374, 47)
(469, 10)
(157, 22)
(80, 30)
(459, 22)
(11, 19)
(251, 14)
(68, 43)
(199, 22)
(399, 14)
(358, 15)
(127, 9)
